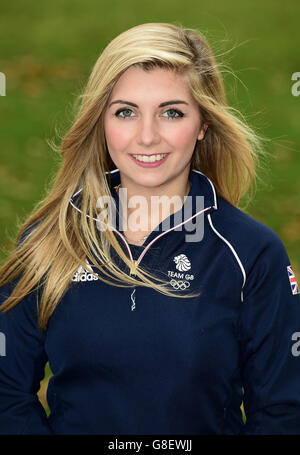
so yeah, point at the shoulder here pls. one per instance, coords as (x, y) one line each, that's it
(250, 239)
(233, 219)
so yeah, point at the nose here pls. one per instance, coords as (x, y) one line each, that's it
(148, 132)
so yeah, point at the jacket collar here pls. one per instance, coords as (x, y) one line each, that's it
(193, 206)
(200, 186)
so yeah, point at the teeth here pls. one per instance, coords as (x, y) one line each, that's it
(149, 159)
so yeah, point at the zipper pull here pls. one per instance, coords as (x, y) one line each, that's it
(133, 299)
(133, 267)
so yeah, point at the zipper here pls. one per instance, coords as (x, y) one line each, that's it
(132, 297)
(135, 263)
(133, 268)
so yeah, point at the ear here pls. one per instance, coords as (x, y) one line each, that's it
(202, 131)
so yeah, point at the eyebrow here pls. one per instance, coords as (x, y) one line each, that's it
(165, 103)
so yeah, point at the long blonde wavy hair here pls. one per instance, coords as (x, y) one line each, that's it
(61, 238)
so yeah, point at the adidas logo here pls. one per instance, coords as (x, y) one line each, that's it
(84, 275)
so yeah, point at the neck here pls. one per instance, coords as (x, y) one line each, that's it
(147, 212)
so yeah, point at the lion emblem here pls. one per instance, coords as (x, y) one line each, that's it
(182, 263)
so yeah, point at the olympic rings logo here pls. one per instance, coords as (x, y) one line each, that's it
(182, 285)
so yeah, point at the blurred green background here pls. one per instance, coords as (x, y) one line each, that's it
(47, 50)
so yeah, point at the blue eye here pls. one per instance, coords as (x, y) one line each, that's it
(180, 114)
(122, 110)
(176, 112)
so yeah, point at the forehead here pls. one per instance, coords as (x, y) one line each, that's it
(153, 83)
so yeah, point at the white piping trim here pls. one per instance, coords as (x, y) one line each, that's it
(233, 251)
(163, 233)
(96, 219)
(166, 232)
(112, 172)
(215, 206)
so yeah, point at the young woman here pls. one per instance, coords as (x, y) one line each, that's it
(164, 318)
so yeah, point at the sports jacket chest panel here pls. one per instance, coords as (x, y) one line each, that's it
(163, 335)
(172, 341)
(156, 316)
(163, 348)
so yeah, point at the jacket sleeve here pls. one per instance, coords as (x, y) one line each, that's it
(269, 330)
(22, 362)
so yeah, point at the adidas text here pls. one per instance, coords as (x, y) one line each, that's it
(85, 276)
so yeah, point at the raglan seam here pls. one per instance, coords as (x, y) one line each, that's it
(233, 251)
(239, 264)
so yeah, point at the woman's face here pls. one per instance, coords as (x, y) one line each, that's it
(152, 113)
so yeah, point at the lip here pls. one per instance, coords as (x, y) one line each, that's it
(155, 164)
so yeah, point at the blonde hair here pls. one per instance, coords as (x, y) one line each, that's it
(61, 239)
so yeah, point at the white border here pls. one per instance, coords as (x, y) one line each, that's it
(233, 251)
(215, 206)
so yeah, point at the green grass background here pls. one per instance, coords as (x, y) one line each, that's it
(47, 50)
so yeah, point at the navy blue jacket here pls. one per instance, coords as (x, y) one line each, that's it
(134, 361)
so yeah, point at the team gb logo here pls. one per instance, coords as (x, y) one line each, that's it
(182, 263)
(181, 280)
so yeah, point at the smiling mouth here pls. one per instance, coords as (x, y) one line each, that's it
(150, 158)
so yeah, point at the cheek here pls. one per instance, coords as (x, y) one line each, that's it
(117, 138)
(183, 137)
